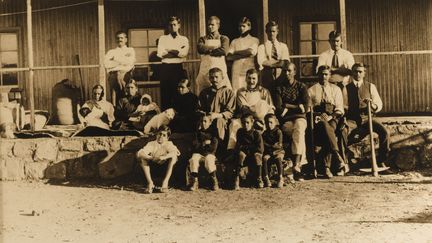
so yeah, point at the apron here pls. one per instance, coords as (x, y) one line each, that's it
(207, 62)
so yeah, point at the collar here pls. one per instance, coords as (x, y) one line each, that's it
(214, 35)
(174, 35)
(358, 83)
(245, 34)
(271, 43)
(257, 88)
(215, 90)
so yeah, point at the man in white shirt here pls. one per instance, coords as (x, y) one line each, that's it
(173, 49)
(119, 62)
(271, 56)
(340, 60)
(358, 93)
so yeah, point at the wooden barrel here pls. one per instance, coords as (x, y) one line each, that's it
(65, 100)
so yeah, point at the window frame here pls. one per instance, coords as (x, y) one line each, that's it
(18, 32)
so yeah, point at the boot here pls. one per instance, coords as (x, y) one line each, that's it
(237, 183)
(280, 183)
(260, 182)
(215, 183)
(267, 182)
(194, 184)
(328, 173)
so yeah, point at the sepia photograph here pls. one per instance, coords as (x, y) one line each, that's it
(215, 121)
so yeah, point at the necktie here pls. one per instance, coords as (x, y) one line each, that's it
(274, 54)
(335, 61)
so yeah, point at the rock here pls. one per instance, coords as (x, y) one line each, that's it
(97, 144)
(35, 171)
(86, 166)
(56, 171)
(406, 159)
(24, 148)
(117, 164)
(11, 169)
(69, 144)
(46, 150)
(426, 156)
(62, 156)
(6, 148)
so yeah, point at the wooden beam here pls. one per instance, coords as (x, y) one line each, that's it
(101, 30)
(265, 15)
(342, 18)
(201, 17)
(30, 64)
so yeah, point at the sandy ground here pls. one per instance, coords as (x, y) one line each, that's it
(391, 208)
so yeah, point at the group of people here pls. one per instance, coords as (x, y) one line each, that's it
(258, 118)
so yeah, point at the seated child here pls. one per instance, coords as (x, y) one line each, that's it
(7, 130)
(249, 148)
(158, 152)
(185, 104)
(204, 149)
(144, 112)
(159, 120)
(273, 149)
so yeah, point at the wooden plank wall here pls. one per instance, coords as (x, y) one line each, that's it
(62, 33)
(404, 81)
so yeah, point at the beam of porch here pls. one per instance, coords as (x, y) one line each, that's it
(30, 64)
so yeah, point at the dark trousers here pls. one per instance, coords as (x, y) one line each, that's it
(252, 160)
(170, 75)
(355, 132)
(325, 136)
(269, 159)
(117, 81)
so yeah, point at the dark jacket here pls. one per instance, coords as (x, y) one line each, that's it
(249, 142)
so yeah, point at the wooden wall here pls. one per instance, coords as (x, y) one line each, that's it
(403, 81)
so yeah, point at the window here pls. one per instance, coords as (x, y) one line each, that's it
(9, 57)
(313, 40)
(144, 41)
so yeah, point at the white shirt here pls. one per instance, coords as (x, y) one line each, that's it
(120, 59)
(155, 150)
(167, 43)
(330, 93)
(376, 99)
(345, 59)
(265, 52)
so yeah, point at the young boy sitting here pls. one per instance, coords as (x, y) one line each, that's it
(249, 148)
(158, 152)
(273, 149)
(204, 149)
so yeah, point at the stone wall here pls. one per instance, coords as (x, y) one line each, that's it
(74, 158)
(113, 157)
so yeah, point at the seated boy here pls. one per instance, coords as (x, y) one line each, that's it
(204, 149)
(249, 149)
(185, 103)
(158, 152)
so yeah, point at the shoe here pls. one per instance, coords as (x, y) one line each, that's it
(341, 172)
(291, 179)
(215, 183)
(267, 182)
(328, 173)
(237, 183)
(260, 183)
(298, 176)
(194, 185)
(164, 189)
(149, 189)
(280, 183)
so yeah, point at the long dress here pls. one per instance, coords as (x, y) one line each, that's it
(241, 66)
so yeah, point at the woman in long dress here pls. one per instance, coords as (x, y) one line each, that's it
(242, 52)
(97, 111)
(213, 48)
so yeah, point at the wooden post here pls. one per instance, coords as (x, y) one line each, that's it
(265, 14)
(101, 28)
(201, 17)
(342, 18)
(30, 64)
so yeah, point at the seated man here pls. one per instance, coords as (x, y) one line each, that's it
(219, 101)
(291, 99)
(253, 99)
(327, 106)
(358, 93)
(185, 103)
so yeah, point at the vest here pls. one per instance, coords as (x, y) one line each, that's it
(357, 108)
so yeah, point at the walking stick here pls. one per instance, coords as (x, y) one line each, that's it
(311, 124)
(373, 157)
(82, 89)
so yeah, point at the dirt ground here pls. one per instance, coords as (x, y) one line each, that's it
(390, 208)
